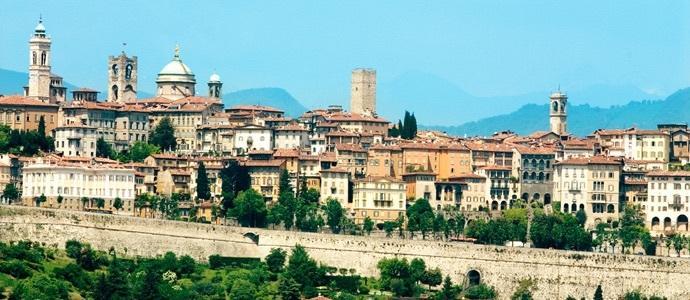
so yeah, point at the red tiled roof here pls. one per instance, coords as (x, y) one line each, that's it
(23, 101)
(594, 160)
(255, 108)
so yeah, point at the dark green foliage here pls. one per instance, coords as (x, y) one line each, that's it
(368, 225)
(497, 231)
(16, 268)
(559, 231)
(235, 179)
(203, 190)
(598, 294)
(250, 209)
(420, 217)
(581, 217)
(396, 276)
(40, 287)
(11, 192)
(163, 135)
(303, 269)
(275, 260)
(138, 152)
(448, 291)
(216, 261)
(104, 149)
(284, 186)
(480, 291)
(75, 275)
(289, 288)
(334, 215)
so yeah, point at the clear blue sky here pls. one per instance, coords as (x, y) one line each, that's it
(309, 47)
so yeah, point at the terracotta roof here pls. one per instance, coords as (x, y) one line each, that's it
(264, 163)
(335, 170)
(23, 101)
(497, 168)
(632, 130)
(466, 176)
(308, 157)
(379, 179)
(328, 156)
(594, 160)
(668, 174)
(491, 147)
(167, 156)
(419, 173)
(291, 127)
(534, 150)
(85, 89)
(255, 108)
(385, 147)
(350, 147)
(286, 153)
(353, 117)
(341, 133)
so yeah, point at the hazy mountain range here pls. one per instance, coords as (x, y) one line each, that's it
(438, 101)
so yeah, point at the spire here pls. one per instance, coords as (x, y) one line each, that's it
(177, 51)
(40, 28)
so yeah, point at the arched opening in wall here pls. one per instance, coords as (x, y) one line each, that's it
(582, 207)
(494, 205)
(253, 237)
(682, 223)
(610, 209)
(547, 198)
(536, 197)
(473, 277)
(667, 223)
(655, 223)
(525, 196)
(565, 207)
(504, 205)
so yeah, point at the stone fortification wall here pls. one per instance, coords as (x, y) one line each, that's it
(557, 273)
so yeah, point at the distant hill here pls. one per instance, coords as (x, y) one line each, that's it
(583, 119)
(435, 100)
(275, 97)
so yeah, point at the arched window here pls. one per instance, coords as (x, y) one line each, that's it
(43, 58)
(34, 58)
(555, 106)
(525, 175)
(565, 207)
(128, 71)
(533, 176)
(115, 69)
(115, 92)
(473, 277)
(610, 209)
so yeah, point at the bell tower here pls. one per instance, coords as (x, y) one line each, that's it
(215, 86)
(122, 78)
(363, 91)
(39, 64)
(558, 114)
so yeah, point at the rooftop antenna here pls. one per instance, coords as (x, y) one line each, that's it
(124, 44)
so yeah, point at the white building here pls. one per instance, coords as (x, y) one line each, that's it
(379, 198)
(252, 137)
(334, 185)
(591, 184)
(76, 140)
(636, 144)
(668, 202)
(73, 182)
(291, 136)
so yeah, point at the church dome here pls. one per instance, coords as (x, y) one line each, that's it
(40, 27)
(214, 78)
(176, 71)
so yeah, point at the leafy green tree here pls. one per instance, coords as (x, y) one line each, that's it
(275, 260)
(250, 209)
(104, 149)
(163, 135)
(417, 269)
(432, 277)
(286, 207)
(289, 288)
(235, 179)
(139, 151)
(480, 291)
(598, 294)
(396, 276)
(448, 291)
(10, 192)
(59, 199)
(203, 190)
(679, 242)
(303, 269)
(311, 196)
(75, 275)
(420, 217)
(242, 290)
(40, 287)
(581, 217)
(284, 185)
(307, 217)
(334, 215)
(100, 202)
(524, 290)
(117, 203)
(389, 227)
(368, 225)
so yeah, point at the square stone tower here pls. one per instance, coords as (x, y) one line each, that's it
(363, 91)
(39, 64)
(122, 78)
(558, 115)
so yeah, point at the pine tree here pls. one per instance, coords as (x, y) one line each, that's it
(598, 294)
(400, 129)
(42, 140)
(413, 126)
(202, 185)
(284, 185)
(407, 122)
(163, 135)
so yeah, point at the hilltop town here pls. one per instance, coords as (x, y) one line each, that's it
(119, 154)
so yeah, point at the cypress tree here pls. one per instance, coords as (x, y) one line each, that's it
(413, 126)
(202, 188)
(163, 135)
(407, 122)
(599, 294)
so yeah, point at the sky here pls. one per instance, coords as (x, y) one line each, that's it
(488, 48)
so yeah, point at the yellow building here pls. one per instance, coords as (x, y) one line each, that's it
(379, 198)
